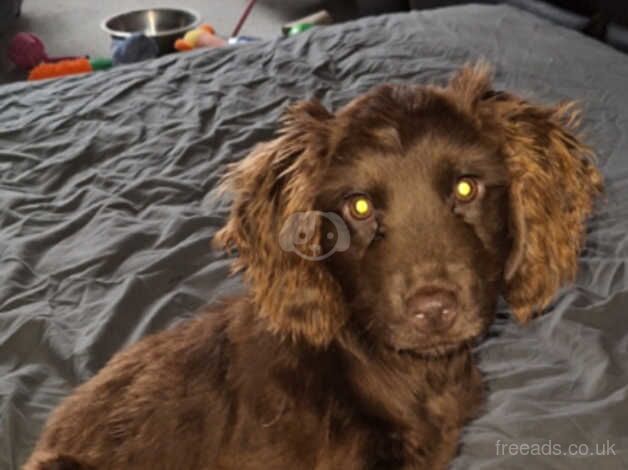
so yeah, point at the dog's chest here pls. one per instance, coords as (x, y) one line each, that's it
(301, 439)
(348, 436)
(323, 414)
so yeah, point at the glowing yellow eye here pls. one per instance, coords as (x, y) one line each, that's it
(360, 207)
(466, 189)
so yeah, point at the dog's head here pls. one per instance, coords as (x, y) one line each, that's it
(408, 212)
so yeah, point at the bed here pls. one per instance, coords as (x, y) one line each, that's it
(108, 207)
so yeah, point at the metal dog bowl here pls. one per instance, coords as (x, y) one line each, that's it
(163, 25)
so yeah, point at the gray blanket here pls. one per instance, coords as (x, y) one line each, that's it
(107, 210)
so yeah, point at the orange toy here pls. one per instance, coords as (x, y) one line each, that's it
(203, 36)
(68, 67)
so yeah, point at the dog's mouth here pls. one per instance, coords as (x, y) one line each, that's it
(438, 350)
(402, 336)
(445, 345)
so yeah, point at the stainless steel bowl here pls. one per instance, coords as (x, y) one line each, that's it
(163, 25)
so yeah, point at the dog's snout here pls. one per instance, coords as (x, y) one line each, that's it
(434, 309)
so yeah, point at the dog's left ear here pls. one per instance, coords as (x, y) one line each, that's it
(470, 84)
(553, 186)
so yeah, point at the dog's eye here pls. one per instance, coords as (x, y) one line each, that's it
(360, 207)
(466, 189)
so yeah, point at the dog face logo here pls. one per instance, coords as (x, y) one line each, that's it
(298, 235)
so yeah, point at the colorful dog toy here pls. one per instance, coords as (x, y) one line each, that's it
(26, 51)
(68, 67)
(135, 48)
(203, 36)
(299, 28)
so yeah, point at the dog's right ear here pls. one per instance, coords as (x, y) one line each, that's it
(279, 179)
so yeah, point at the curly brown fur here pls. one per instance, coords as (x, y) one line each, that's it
(360, 360)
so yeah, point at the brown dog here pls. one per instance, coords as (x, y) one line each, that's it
(376, 242)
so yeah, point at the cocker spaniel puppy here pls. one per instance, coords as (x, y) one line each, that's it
(375, 242)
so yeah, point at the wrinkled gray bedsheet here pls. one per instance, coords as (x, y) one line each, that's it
(107, 211)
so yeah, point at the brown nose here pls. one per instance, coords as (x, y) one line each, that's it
(434, 309)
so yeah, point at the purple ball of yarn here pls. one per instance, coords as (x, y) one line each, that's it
(26, 51)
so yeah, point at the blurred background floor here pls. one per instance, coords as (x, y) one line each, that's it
(72, 27)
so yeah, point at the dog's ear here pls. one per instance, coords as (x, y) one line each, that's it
(470, 84)
(553, 185)
(272, 187)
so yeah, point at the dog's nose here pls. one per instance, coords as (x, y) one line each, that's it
(434, 310)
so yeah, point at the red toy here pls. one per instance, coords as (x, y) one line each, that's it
(26, 51)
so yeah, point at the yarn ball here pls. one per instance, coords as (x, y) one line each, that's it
(26, 51)
(135, 48)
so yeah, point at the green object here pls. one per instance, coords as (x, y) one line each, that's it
(299, 28)
(101, 64)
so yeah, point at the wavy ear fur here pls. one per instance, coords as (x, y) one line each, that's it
(298, 298)
(470, 84)
(553, 186)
